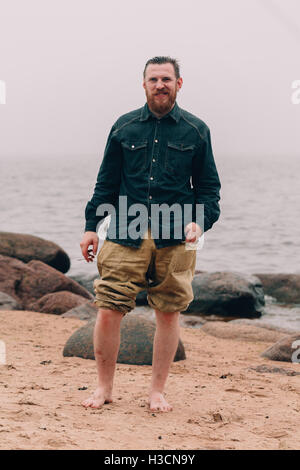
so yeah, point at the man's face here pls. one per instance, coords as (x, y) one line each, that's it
(161, 87)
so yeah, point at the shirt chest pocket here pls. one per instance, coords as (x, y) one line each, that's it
(179, 158)
(135, 156)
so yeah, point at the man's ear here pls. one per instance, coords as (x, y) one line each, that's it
(144, 85)
(179, 83)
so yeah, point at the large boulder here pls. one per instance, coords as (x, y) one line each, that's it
(27, 282)
(29, 247)
(287, 349)
(137, 334)
(8, 303)
(283, 287)
(57, 302)
(228, 294)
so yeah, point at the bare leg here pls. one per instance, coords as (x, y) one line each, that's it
(164, 349)
(106, 348)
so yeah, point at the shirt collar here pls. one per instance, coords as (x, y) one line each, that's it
(174, 113)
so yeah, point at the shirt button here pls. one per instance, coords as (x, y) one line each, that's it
(150, 197)
(156, 141)
(153, 159)
(151, 177)
(132, 146)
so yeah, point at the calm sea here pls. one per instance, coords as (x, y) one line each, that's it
(258, 231)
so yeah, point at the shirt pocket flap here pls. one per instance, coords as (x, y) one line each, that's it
(180, 146)
(133, 146)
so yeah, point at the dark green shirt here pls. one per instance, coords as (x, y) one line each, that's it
(156, 161)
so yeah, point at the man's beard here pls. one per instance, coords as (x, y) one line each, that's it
(163, 107)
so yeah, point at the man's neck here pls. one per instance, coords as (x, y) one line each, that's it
(159, 116)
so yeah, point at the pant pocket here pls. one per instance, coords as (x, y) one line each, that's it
(184, 259)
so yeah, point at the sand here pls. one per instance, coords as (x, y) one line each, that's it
(41, 392)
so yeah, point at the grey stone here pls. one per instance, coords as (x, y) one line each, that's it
(227, 294)
(141, 298)
(86, 311)
(287, 349)
(283, 287)
(136, 346)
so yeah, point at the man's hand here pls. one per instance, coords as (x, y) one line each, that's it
(89, 239)
(192, 232)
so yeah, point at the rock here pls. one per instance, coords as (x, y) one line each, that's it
(283, 287)
(86, 311)
(261, 324)
(227, 330)
(31, 281)
(136, 346)
(8, 303)
(263, 369)
(29, 247)
(227, 294)
(141, 298)
(11, 273)
(287, 349)
(191, 321)
(85, 280)
(57, 302)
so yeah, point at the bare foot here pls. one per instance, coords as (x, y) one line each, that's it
(157, 402)
(98, 399)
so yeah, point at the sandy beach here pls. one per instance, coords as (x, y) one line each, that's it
(219, 401)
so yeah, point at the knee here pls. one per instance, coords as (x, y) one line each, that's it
(106, 318)
(167, 318)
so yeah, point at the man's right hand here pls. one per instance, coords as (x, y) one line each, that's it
(89, 239)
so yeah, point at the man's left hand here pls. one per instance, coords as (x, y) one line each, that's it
(192, 232)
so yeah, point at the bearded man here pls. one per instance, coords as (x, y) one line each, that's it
(157, 155)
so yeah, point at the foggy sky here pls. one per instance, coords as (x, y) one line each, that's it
(73, 67)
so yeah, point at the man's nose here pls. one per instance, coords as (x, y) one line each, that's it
(159, 84)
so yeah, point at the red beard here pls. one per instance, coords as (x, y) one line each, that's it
(159, 105)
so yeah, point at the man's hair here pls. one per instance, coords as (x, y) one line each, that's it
(163, 60)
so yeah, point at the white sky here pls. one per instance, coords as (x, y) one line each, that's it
(71, 67)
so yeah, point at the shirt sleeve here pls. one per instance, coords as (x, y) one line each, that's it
(108, 181)
(206, 183)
